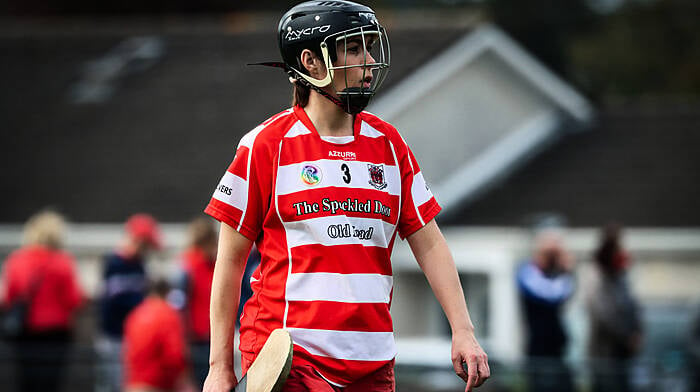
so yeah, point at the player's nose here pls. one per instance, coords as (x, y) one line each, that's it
(370, 59)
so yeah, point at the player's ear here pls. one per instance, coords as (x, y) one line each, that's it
(313, 64)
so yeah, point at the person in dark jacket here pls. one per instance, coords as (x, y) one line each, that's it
(124, 287)
(616, 328)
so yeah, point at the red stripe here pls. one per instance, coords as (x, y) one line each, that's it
(429, 209)
(339, 371)
(305, 148)
(339, 316)
(239, 165)
(224, 213)
(292, 207)
(320, 258)
(414, 162)
(274, 117)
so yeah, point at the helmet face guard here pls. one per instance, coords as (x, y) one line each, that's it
(374, 44)
(327, 28)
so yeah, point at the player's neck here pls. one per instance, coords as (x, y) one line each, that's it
(327, 117)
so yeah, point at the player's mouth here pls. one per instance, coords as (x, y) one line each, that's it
(367, 82)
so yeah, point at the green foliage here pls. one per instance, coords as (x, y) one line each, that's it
(644, 48)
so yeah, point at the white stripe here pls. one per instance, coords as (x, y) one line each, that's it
(297, 129)
(369, 131)
(286, 235)
(289, 178)
(339, 230)
(238, 189)
(419, 190)
(350, 288)
(331, 382)
(350, 345)
(338, 139)
(248, 139)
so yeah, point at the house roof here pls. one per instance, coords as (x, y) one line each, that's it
(638, 166)
(103, 125)
(488, 104)
(170, 122)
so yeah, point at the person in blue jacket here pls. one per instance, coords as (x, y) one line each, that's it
(545, 282)
(125, 286)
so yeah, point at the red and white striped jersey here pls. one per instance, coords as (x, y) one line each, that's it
(324, 212)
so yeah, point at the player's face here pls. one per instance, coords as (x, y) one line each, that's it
(356, 56)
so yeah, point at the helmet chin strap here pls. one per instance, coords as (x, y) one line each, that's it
(346, 102)
(355, 97)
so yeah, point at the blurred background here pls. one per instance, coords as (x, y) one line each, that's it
(560, 137)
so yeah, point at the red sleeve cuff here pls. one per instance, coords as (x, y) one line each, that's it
(429, 215)
(224, 217)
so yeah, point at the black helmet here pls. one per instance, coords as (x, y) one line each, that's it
(320, 26)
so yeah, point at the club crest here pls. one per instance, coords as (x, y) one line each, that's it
(376, 176)
(311, 174)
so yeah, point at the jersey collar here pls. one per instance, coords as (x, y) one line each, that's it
(304, 118)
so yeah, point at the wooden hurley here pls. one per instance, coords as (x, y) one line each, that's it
(270, 369)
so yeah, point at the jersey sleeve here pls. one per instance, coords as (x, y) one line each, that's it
(242, 196)
(419, 205)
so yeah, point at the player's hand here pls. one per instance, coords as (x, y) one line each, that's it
(220, 379)
(466, 349)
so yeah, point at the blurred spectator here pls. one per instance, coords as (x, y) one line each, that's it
(198, 270)
(198, 266)
(125, 286)
(616, 329)
(42, 276)
(545, 283)
(154, 345)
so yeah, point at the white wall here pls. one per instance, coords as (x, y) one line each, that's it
(666, 268)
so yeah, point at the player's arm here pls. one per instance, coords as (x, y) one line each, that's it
(225, 292)
(434, 257)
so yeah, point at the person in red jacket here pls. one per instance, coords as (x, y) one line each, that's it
(198, 270)
(194, 290)
(43, 275)
(155, 353)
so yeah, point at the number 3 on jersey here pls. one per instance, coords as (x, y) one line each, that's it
(346, 173)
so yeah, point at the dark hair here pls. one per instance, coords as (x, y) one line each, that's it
(201, 232)
(300, 95)
(608, 247)
(159, 287)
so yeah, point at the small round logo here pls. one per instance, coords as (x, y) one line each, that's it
(311, 174)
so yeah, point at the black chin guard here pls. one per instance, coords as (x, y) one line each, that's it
(352, 100)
